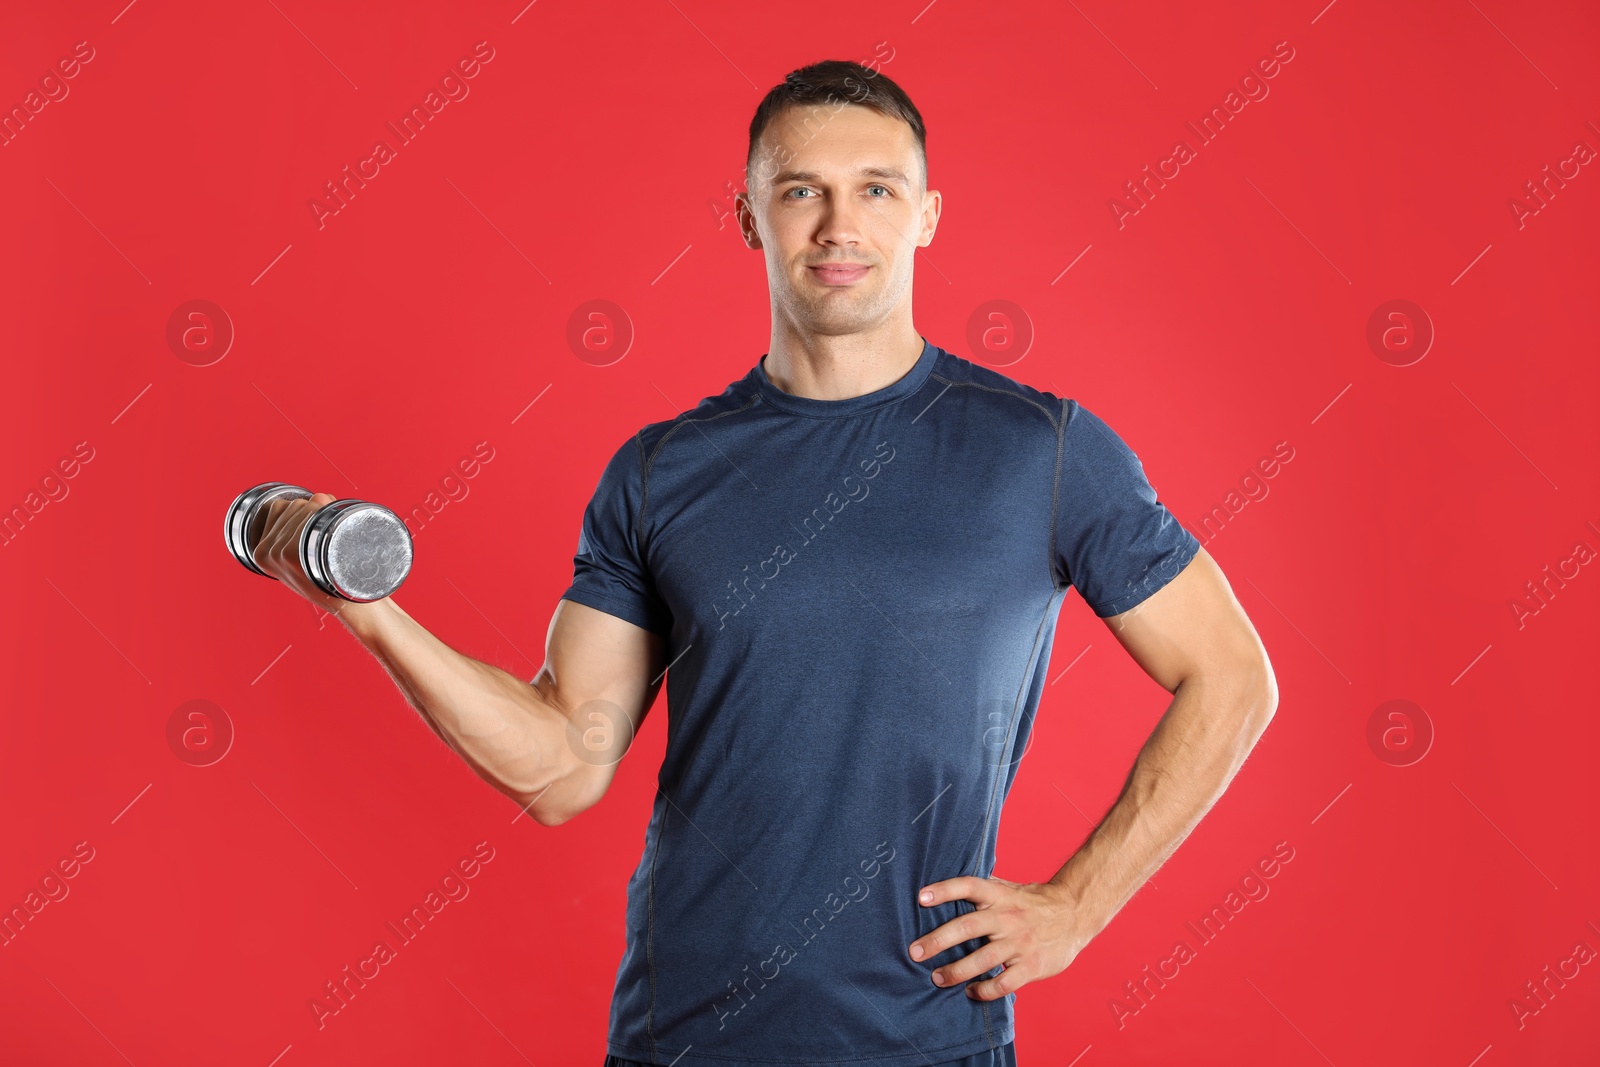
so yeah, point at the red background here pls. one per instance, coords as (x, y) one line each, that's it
(591, 161)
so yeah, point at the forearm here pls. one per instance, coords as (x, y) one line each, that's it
(1200, 743)
(504, 728)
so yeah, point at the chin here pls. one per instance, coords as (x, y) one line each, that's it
(837, 325)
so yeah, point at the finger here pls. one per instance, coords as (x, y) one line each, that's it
(283, 539)
(306, 509)
(270, 528)
(965, 887)
(279, 513)
(261, 551)
(968, 927)
(1007, 981)
(302, 509)
(971, 965)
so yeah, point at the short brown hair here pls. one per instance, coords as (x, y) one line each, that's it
(838, 82)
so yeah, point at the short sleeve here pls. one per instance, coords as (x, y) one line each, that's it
(1113, 539)
(609, 572)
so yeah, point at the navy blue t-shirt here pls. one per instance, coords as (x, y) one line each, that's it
(858, 598)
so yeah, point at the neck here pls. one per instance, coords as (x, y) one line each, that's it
(841, 366)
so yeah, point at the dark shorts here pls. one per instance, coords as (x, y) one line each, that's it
(1004, 1056)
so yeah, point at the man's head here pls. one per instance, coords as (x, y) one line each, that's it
(837, 173)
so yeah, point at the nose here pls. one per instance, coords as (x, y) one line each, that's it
(841, 224)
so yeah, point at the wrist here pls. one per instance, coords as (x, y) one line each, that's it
(1072, 888)
(1065, 891)
(367, 620)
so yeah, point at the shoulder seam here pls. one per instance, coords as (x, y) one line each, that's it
(1003, 392)
(1055, 497)
(1055, 489)
(644, 486)
(677, 424)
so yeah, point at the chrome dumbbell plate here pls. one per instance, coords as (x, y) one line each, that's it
(356, 550)
(247, 516)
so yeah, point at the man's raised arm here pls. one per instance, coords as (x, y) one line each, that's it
(552, 745)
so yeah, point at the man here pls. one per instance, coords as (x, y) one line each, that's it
(849, 566)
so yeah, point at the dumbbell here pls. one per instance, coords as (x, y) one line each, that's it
(350, 549)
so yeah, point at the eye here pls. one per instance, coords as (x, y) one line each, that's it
(883, 187)
(797, 189)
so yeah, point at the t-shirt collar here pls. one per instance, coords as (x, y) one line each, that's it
(909, 383)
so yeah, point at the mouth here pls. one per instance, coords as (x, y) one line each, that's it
(839, 273)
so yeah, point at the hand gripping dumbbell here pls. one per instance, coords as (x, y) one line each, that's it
(350, 549)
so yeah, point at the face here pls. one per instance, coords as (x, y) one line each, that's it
(836, 204)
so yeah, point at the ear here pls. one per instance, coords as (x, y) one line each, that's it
(932, 203)
(745, 213)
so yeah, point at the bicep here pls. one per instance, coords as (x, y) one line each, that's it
(1191, 624)
(603, 674)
